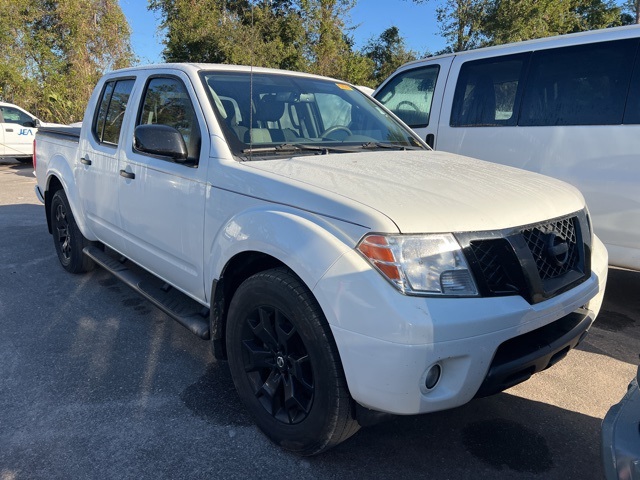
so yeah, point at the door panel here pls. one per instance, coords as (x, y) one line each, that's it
(97, 171)
(162, 207)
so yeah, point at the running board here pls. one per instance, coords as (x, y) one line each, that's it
(186, 311)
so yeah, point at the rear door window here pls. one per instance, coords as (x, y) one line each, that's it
(111, 110)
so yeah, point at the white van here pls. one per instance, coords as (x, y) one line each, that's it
(566, 106)
(17, 131)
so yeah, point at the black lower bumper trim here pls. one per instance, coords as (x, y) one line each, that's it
(518, 358)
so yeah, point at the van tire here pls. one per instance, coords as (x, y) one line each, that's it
(67, 237)
(285, 364)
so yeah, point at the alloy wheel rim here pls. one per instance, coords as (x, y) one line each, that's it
(277, 365)
(62, 229)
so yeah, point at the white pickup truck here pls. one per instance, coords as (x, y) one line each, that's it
(341, 266)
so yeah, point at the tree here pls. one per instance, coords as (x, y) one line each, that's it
(631, 12)
(516, 20)
(265, 33)
(462, 23)
(305, 35)
(387, 53)
(470, 24)
(54, 52)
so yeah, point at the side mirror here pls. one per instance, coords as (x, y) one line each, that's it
(161, 140)
(37, 122)
(30, 124)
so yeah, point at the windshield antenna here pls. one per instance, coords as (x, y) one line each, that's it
(251, 88)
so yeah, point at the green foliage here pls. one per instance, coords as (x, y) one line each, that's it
(303, 35)
(516, 20)
(52, 53)
(387, 53)
(468, 24)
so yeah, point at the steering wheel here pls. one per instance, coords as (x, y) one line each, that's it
(335, 128)
(407, 102)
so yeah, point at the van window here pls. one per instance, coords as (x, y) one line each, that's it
(488, 91)
(579, 85)
(632, 108)
(409, 95)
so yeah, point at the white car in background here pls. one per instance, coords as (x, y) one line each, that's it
(17, 131)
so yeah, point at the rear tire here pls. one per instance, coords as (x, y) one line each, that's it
(67, 238)
(285, 364)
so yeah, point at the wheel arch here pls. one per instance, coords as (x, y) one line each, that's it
(237, 270)
(60, 176)
(257, 240)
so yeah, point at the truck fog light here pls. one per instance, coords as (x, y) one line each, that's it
(433, 375)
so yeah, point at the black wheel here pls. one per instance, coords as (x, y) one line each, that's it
(67, 238)
(285, 364)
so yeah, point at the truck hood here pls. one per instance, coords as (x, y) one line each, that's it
(428, 192)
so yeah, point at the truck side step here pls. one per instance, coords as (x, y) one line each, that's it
(186, 311)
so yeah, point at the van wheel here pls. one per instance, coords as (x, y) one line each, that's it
(285, 364)
(67, 238)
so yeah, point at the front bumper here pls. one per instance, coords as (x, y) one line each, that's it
(388, 342)
(621, 437)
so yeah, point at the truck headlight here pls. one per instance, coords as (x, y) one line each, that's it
(429, 264)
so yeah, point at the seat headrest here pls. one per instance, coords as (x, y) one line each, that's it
(269, 109)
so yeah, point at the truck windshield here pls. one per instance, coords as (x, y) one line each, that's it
(271, 114)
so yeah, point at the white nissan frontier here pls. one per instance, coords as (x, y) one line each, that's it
(342, 267)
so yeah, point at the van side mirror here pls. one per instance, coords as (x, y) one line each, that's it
(161, 140)
(37, 123)
(30, 124)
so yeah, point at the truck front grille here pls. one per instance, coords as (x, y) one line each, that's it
(536, 261)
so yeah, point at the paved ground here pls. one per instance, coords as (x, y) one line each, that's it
(97, 383)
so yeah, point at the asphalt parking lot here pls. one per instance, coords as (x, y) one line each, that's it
(97, 383)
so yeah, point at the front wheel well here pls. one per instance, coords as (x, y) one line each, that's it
(236, 271)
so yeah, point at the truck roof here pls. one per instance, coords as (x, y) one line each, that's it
(194, 68)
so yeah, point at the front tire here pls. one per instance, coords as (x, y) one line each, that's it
(67, 238)
(285, 364)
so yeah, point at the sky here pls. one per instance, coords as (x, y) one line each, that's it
(417, 24)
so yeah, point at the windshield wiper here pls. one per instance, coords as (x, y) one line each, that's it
(393, 146)
(294, 147)
(285, 147)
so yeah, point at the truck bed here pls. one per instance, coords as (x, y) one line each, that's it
(68, 133)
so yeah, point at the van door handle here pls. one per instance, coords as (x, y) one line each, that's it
(9, 130)
(85, 160)
(125, 174)
(431, 139)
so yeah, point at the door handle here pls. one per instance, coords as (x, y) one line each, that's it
(85, 160)
(125, 174)
(431, 140)
(9, 130)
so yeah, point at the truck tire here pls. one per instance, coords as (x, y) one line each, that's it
(67, 238)
(285, 364)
